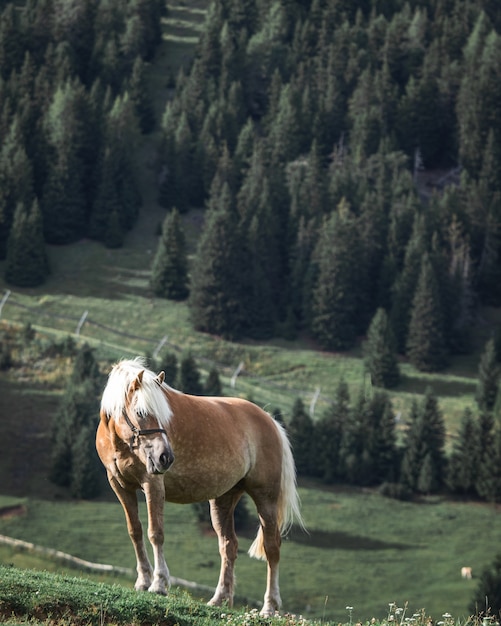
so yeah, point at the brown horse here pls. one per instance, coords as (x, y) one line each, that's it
(185, 449)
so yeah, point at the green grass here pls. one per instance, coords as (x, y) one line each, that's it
(362, 550)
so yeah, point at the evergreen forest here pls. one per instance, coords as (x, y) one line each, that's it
(347, 156)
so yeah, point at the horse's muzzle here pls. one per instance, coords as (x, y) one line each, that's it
(160, 464)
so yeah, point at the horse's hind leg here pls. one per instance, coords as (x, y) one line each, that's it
(222, 510)
(267, 546)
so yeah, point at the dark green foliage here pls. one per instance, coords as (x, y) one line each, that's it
(489, 473)
(213, 385)
(188, 378)
(168, 364)
(301, 432)
(335, 294)
(139, 95)
(380, 352)
(488, 377)
(328, 436)
(466, 458)
(486, 601)
(27, 263)
(426, 345)
(169, 274)
(219, 274)
(74, 462)
(424, 462)
(368, 454)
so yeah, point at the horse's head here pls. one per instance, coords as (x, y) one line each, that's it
(135, 400)
(146, 437)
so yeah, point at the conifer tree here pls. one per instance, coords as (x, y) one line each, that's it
(426, 347)
(301, 432)
(74, 463)
(85, 467)
(168, 364)
(489, 372)
(16, 179)
(213, 385)
(380, 441)
(405, 284)
(380, 352)
(425, 437)
(486, 601)
(465, 458)
(335, 294)
(140, 97)
(329, 434)
(169, 273)
(27, 263)
(219, 277)
(188, 378)
(489, 471)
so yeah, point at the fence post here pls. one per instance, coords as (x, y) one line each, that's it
(236, 373)
(81, 323)
(314, 401)
(4, 300)
(161, 344)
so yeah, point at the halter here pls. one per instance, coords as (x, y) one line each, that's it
(138, 432)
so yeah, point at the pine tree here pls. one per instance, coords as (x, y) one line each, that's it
(168, 365)
(188, 378)
(335, 294)
(380, 352)
(74, 462)
(76, 413)
(86, 469)
(487, 598)
(219, 275)
(426, 347)
(16, 179)
(465, 457)
(404, 286)
(140, 97)
(169, 274)
(425, 437)
(329, 434)
(489, 472)
(27, 263)
(489, 372)
(213, 385)
(301, 432)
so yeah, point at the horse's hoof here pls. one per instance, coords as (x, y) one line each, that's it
(160, 591)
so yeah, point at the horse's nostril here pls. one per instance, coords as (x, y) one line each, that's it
(165, 460)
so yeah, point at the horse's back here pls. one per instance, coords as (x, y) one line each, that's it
(217, 443)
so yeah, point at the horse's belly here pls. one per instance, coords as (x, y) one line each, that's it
(198, 487)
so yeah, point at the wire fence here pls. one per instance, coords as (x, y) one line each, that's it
(235, 377)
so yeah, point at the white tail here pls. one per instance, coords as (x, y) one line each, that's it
(288, 500)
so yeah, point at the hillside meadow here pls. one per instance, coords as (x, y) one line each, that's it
(362, 550)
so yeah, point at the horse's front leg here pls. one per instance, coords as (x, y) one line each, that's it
(128, 500)
(154, 492)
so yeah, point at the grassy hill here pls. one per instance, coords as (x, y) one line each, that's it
(362, 551)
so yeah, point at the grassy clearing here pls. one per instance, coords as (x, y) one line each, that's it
(362, 550)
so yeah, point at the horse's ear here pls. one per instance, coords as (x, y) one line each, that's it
(161, 377)
(136, 383)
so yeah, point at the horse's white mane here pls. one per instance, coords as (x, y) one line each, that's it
(149, 398)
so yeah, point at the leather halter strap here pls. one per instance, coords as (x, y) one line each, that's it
(138, 432)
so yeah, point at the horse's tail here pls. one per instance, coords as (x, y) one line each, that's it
(288, 500)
